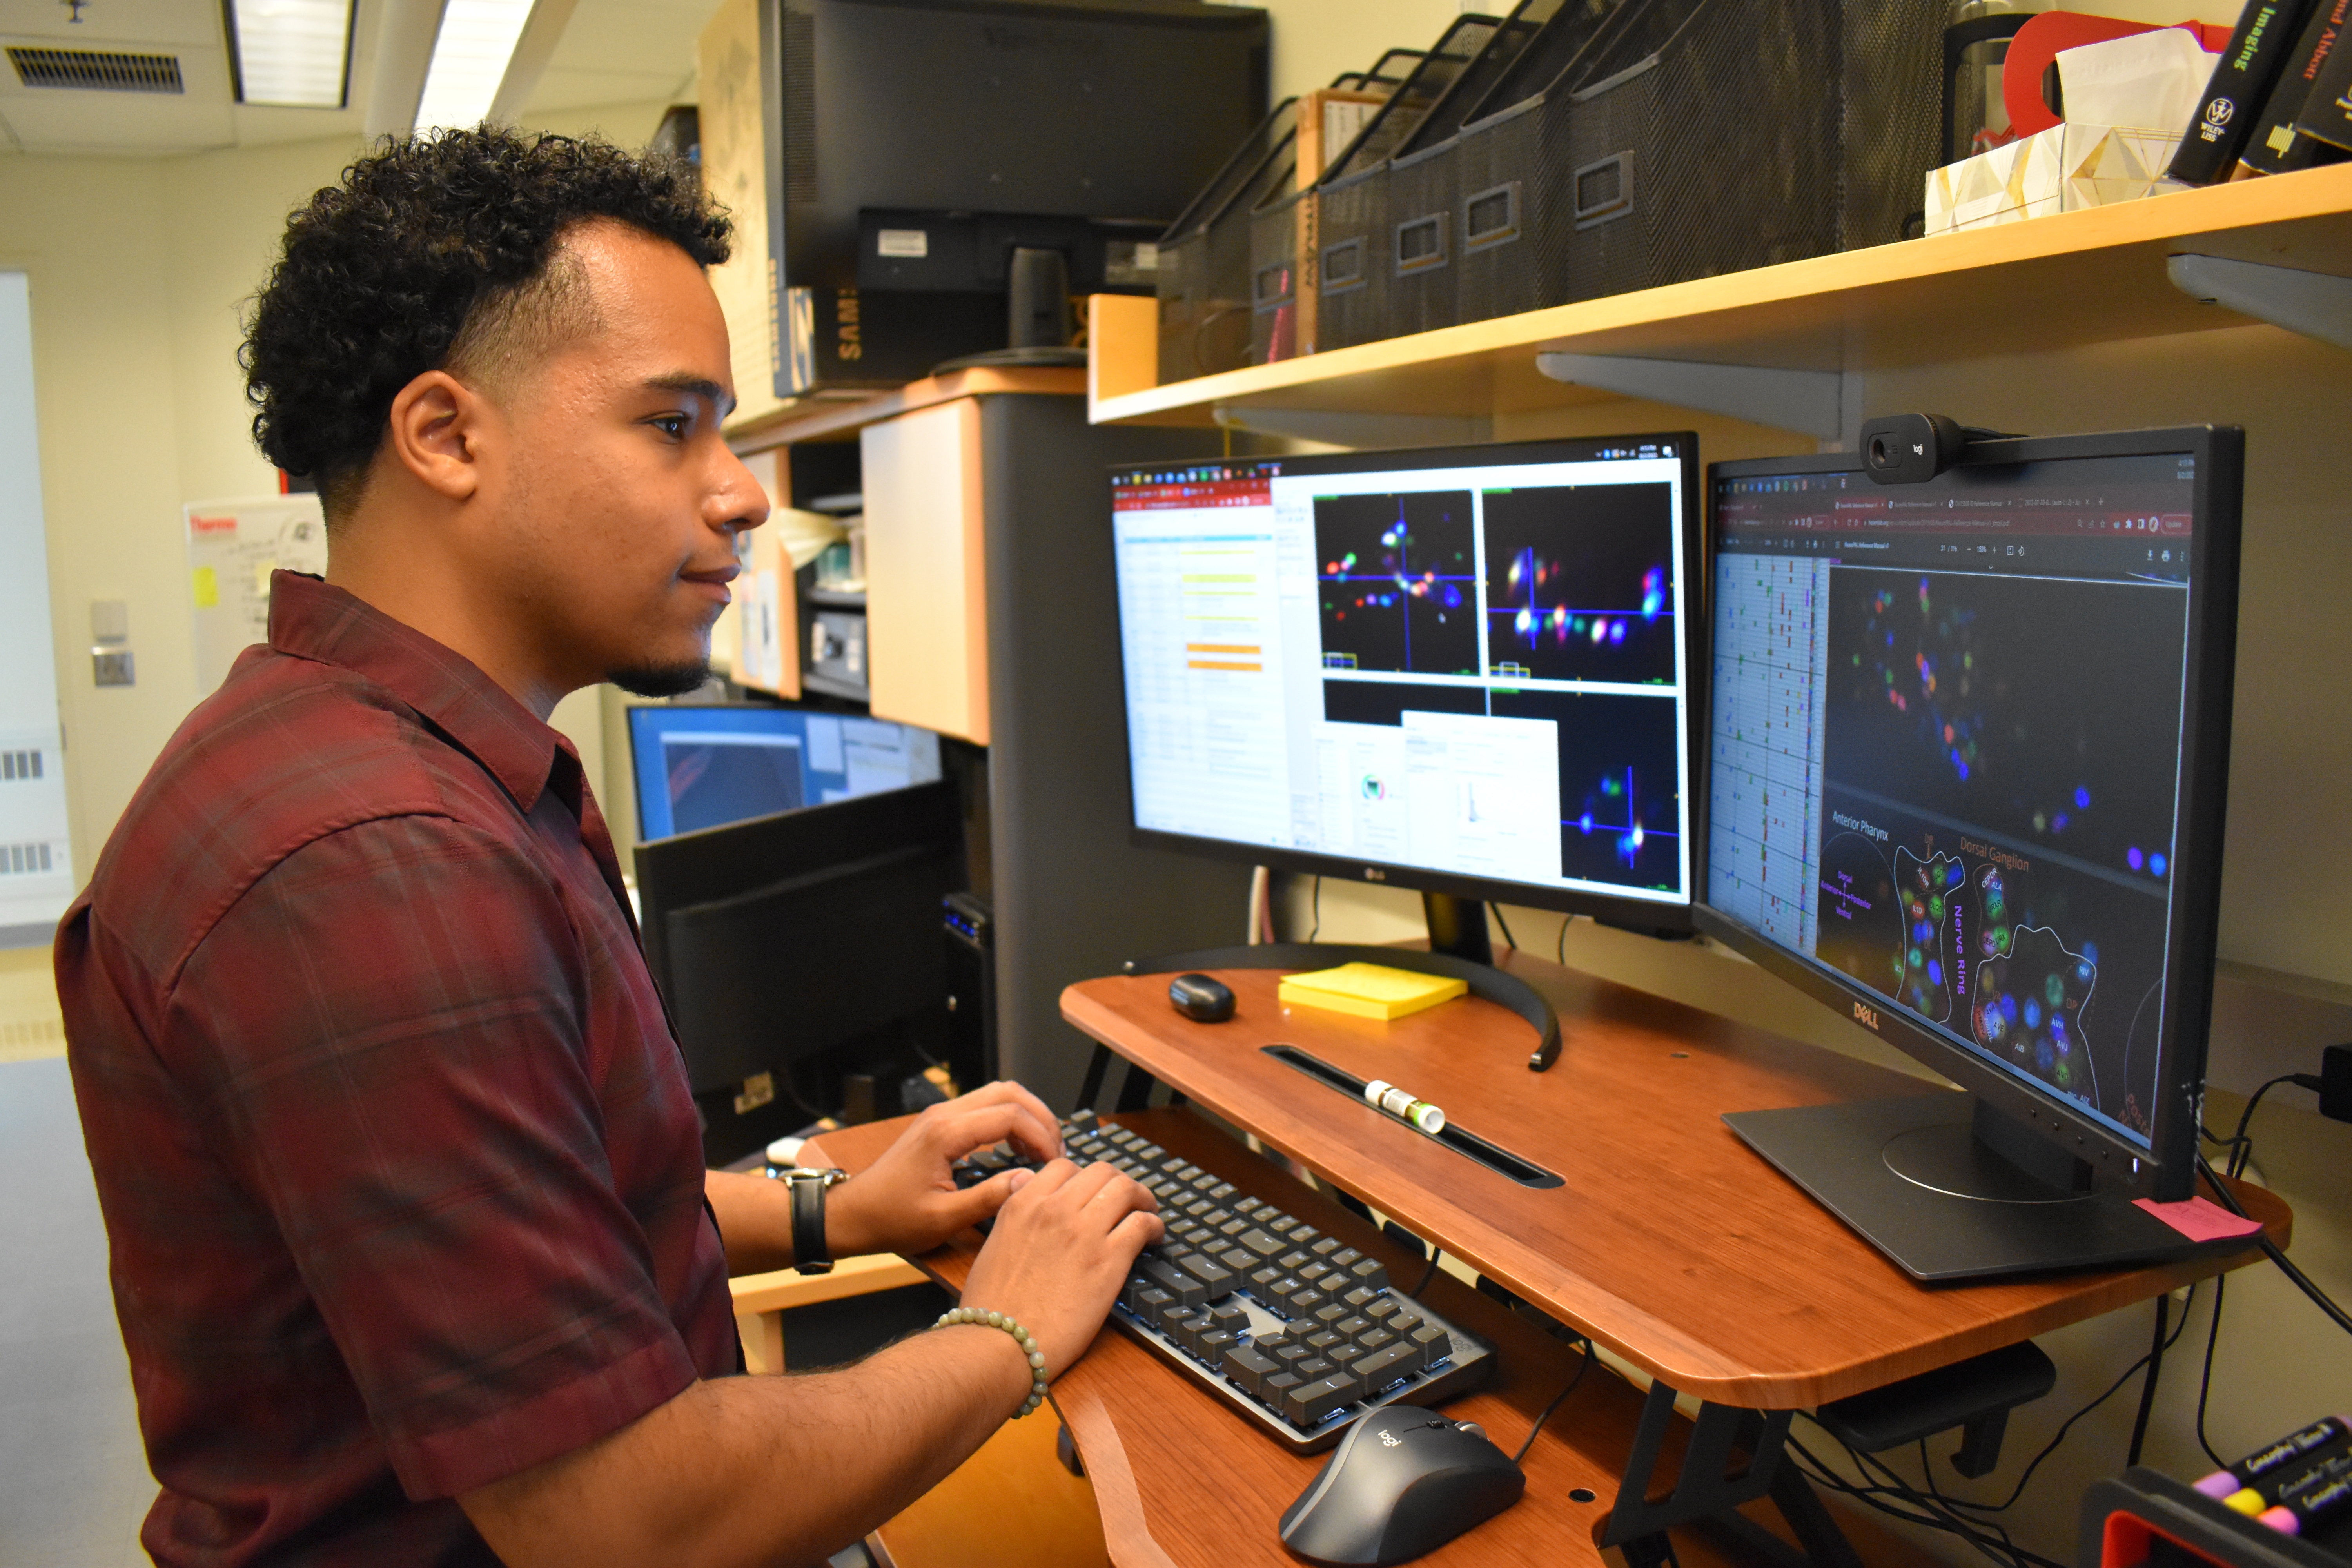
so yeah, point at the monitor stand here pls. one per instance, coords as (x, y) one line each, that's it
(1951, 1188)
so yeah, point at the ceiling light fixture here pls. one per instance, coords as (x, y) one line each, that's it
(290, 53)
(470, 54)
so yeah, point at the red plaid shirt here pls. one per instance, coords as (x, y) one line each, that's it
(400, 1169)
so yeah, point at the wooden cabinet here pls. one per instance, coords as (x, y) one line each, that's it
(925, 573)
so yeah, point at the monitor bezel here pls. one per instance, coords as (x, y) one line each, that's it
(1644, 915)
(2166, 1169)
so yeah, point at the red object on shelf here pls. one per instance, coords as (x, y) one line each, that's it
(2035, 49)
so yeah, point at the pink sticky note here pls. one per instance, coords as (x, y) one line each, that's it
(2200, 1219)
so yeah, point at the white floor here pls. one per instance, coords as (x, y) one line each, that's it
(73, 1481)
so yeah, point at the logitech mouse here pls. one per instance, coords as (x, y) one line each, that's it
(1200, 998)
(1404, 1482)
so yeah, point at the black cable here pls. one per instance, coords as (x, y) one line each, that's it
(1969, 1530)
(2205, 1382)
(1427, 1275)
(1505, 925)
(1564, 923)
(1318, 904)
(1557, 1400)
(2241, 1147)
(2272, 1249)
(2154, 1360)
(1874, 1496)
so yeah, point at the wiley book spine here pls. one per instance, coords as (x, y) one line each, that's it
(2276, 147)
(2242, 77)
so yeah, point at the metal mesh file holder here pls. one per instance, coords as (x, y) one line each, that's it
(1275, 225)
(1702, 137)
(1203, 279)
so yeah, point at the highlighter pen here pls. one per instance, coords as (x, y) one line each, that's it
(2279, 1486)
(2329, 1500)
(2323, 1433)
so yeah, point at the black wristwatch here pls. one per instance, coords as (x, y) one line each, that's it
(809, 1254)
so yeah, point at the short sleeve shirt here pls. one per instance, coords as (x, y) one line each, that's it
(401, 1173)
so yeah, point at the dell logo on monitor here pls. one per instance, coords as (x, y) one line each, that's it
(1866, 1017)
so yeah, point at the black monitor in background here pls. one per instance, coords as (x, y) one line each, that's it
(1968, 741)
(922, 144)
(795, 949)
(1469, 671)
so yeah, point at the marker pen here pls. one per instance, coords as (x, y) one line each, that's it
(2325, 1433)
(2329, 1500)
(1381, 1095)
(2316, 1471)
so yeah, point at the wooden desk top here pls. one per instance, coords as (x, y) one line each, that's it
(1184, 1482)
(1669, 1242)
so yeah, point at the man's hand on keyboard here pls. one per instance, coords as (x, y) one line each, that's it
(906, 1201)
(1060, 1253)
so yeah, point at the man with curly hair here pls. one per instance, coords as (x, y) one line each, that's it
(412, 1246)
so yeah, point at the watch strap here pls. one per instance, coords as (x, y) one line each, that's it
(810, 1253)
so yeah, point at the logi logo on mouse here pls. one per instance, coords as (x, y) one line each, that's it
(1390, 1441)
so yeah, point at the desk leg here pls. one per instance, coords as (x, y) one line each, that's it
(1710, 1481)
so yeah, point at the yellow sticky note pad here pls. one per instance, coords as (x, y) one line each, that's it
(207, 585)
(1370, 990)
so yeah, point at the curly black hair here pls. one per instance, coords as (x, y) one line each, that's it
(425, 247)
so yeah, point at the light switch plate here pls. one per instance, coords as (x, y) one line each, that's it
(111, 666)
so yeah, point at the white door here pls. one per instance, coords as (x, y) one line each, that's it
(37, 878)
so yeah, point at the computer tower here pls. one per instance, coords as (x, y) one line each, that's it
(971, 933)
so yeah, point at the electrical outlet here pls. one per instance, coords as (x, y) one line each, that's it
(111, 666)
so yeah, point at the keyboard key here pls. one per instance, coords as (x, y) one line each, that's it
(1380, 1308)
(1322, 1341)
(1314, 1274)
(1434, 1343)
(1375, 1339)
(1237, 1259)
(1262, 1282)
(1345, 1257)
(1306, 1235)
(1355, 1325)
(1259, 1242)
(1386, 1365)
(1289, 1352)
(1230, 1318)
(1225, 1192)
(1304, 1300)
(1359, 1297)
(1308, 1404)
(1280, 1293)
(1370, 1274)
(1173, 1279)
(1401, 1321)
(1314, 1367)
(1211, 1346)
(1147, 1300)
(1248, 1367)
(1220, 1280)
(1331, 1314)
(1284, 1225)
(1325, 1246)
(1232, 1228)
(1276, 1387)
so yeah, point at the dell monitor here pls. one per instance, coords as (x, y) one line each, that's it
(699, 765)
(1967, 743)
(1466, 671)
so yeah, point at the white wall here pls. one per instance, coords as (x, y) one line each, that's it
(36, 876)
(138, 269)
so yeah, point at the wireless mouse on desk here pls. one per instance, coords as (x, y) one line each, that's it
(1404, 1482)
(1200, 998)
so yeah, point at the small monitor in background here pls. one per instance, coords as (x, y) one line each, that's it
(705, 765)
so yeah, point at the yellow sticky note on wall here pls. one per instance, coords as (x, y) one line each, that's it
(208, 587)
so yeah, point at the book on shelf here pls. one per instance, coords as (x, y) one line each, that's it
(2276, 145)
(2327, 112)
(2242, 77)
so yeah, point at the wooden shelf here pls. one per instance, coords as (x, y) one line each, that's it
(841, 419)
(2064, 281)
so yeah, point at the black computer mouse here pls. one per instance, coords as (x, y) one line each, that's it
(1200, 998)
(1404, 1482)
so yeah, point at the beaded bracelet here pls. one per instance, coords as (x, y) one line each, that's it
(1021, 1335)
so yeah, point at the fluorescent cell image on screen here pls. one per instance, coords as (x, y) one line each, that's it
(716, 779)
(1398, 581)
(1579, 582)
(1620, 809)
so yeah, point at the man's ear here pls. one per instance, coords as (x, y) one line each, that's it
(437, 432)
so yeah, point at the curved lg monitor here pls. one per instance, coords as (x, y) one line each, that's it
(1467, 670)
(1966, 746)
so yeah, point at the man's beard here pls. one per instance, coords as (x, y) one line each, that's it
(662, 680)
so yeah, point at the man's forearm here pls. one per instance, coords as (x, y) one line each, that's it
(765, 1471)
(755, 1220)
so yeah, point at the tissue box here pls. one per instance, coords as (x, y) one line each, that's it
(2052, 171)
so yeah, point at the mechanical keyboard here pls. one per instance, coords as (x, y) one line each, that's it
(1296, 1329)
